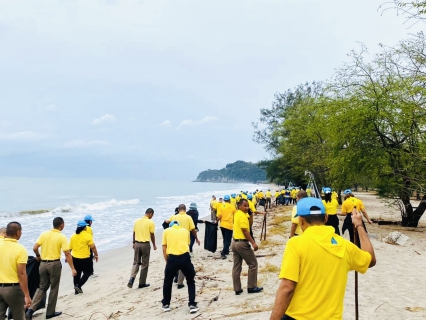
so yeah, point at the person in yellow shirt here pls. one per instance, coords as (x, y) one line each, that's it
(186, 222)
(348, 205)
(296, 229)
(2, 233)
(225, 215)
(268, 196)
(334, 195)
(233, 200)
(89, 220)
(81, 243)
(276, 196)
(52, 242)
(213, 203)
(176, 254)
(308, 191)
(294, 195)
(315, 266)
(331, 205)
(242, 251)
(13, 276)
(143, 233)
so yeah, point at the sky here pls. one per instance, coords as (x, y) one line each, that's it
(162, 89)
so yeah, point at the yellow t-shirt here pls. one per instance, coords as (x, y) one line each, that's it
(241, 221)
(277, 194)
(334, 195)
(89, 230)
(251, 206)
(52, 242)
(143, 228)
(349, 204)
(213, 204)
(308, 192)
(309, 260)
(226, 215)
(260, 195)
(331, 207)
(80, 245)
(295, 220)
(185, 221)
(11, 254)
(282, 191)
(254, 200)
(234, 202)
(238, 198)
(177, 240)
(244, 196)
(268, 194)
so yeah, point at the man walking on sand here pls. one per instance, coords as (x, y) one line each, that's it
(176, 254)
(13, 276)
(186, 222)
(52, 242)
(242, 251)
(225, 214)
(315, 266)
(143, 232)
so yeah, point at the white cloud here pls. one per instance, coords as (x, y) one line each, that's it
(107, 118)
(21, 136)
(190, 122)
(166, 123)
(85, 143)
(51, 107)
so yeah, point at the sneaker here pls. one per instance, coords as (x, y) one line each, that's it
(193, 309)
(78, 289)
(180, 286)
(166, 308)
(223, 257)
(191, 254)
(94, 275)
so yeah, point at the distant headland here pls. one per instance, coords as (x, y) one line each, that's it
(239, 171)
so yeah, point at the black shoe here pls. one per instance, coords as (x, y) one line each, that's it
(255, 290)
(223, 257)
(239, 292)
(56, 314)
(180, 286)
(175, 280)
(78, 289)
(130, 284)
(29, 314)
(143, 285)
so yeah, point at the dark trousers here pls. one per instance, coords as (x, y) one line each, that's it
(192, 241)
(268, 203)
(82, 266)
(50, 276)
(333, 221)
(174, 264)
(286, 317)
(227, 239)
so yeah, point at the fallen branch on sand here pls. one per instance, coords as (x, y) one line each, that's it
(215, 298)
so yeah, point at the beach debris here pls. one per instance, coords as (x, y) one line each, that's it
(414, 309)
(417, 252)
(397, 238)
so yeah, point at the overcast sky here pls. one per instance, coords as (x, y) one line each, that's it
(161, 89)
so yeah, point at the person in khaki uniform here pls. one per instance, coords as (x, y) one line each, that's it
(13, 276)
(242, 251)
(143, 232)
(51, 243)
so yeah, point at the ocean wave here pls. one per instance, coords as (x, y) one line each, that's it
(98, 206)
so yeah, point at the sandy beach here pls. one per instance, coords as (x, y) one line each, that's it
(392, 289)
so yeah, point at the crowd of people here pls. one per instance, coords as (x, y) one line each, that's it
(314, 252)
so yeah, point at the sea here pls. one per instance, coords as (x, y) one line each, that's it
(114, 204)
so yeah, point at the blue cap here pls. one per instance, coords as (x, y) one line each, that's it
(304, 207)
(226, 198)
(327, 190)
(89, 218)
(193, 206)
(249, 197)
(233, 195)
(174, 222)
(347, 191)
(81, 224)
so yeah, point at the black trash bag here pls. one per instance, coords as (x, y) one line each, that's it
(281, 199)
(210, 237)
(33, 276)
(262, 202)
(165, 225)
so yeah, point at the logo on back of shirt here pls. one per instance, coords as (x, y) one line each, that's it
(333, 241)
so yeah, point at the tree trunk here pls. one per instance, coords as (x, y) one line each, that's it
(417, 214)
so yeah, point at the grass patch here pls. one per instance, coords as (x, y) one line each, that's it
(276, 231)
(269, 268)
(278, 220)
(199, 269)
(271, 243)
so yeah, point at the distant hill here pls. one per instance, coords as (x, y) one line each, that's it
(239, 171)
